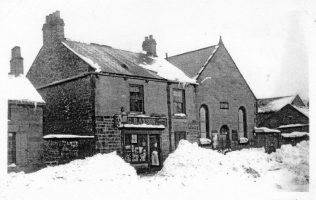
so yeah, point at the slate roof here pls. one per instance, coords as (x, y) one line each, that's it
(111, 60)
(104, 58)
(193, 61)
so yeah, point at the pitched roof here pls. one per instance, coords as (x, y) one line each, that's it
(193, 62)
(107, 59)
(21, 89)
(303, 110)
(274, 104)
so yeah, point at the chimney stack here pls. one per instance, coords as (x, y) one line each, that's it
(149, 45)
(53, 29)
(16, 62)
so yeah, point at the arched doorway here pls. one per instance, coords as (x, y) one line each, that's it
(224, 138)
(204, 122)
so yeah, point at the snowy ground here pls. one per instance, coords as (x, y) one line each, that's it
(190, 172)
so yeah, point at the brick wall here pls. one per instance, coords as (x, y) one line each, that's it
(55, 62)
(108, 137)
(26, 122)
(226, 85)
(69, 107)
(287, 115)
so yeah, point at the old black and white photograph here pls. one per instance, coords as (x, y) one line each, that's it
(157, 99)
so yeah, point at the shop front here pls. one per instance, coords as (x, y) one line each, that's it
(141, 141)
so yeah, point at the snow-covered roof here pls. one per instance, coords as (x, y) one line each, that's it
(266, 130)
(21, 89)
(104, 58)
(275, 104)
(67, 136)
(294, 134)
(142, 126)
(292, 125)
(303, 110)
(167, 70)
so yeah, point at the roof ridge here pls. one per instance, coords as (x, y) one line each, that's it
(192, 51)
(279, 97)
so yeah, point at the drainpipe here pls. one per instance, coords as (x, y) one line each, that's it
(169, 116)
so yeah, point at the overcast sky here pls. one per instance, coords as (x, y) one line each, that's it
(268, 40)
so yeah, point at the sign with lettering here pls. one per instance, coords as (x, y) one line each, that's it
(136, 120)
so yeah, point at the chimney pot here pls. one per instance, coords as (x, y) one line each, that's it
(149, 45)
(53, 29)
(16, 62)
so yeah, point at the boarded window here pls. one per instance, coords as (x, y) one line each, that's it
(11, 148)
(178, 101)
(136, 98)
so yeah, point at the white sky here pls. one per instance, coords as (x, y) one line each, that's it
(267, 39)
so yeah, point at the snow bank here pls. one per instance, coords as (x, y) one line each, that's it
(168, 71)
(21, 89)
(104, 174)
(295, 159)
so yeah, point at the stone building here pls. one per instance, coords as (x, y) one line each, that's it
(25, 119)
(226, 105)
(103, 99)
(288, 114)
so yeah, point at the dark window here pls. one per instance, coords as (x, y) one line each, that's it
(224, 105)
(11, 148)
(178, 101)
(204, 122)
(242, 122)
(136, 98)
(181, 135)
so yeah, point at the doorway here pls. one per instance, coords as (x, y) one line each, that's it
(224, 138)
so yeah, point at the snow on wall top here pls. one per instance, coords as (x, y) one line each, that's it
(266, 130)
(21, 89)
(276, 105)
(294, 134)
(103, 58)
(67, 136)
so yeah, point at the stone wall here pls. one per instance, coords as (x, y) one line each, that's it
(53, 63)
(221, 81)
(69, 107)
(26, 122)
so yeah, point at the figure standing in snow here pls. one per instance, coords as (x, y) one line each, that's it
(154, 156)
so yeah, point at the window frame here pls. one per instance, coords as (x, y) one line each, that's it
(244, 120)
(206, 122)
(141, 91)
(224, 105)
(174, 101)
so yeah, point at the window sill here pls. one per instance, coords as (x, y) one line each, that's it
(179, 116)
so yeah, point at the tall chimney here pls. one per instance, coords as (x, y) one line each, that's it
(149, 45)
(16, 62)
(53, 29)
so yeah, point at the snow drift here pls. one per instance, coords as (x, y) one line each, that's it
(188, 172)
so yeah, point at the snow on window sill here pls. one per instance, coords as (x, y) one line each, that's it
(243, 140)
(180, 115)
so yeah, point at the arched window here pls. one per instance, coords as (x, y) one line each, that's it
(204, 122)
(242, 122)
